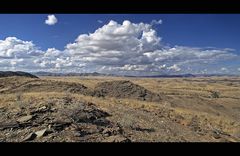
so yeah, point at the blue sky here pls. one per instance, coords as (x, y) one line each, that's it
(193, 33)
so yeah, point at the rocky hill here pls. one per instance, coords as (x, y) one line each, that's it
(17, 73)
(125, 89)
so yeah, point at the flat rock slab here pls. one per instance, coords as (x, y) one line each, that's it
(25, 118)
(8, 125)
(60, 125)
(41, 133)
(30, 137)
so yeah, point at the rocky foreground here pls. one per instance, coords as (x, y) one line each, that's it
(60, 120)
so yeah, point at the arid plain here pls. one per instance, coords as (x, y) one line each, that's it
(119, 109)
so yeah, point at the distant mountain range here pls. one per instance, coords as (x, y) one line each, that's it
(114, 75)
(167, 76)
(185, 75)
(32, 74)
(70, 74)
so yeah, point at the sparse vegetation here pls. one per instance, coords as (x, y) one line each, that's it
(215, 94)
(19, 101)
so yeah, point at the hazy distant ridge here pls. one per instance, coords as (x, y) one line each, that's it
(114, 75)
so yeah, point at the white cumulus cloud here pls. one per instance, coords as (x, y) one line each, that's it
(51, 20)
(12, 47)
(175, 68)
(120, 48)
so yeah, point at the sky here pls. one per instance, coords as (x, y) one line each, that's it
(132, 44)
